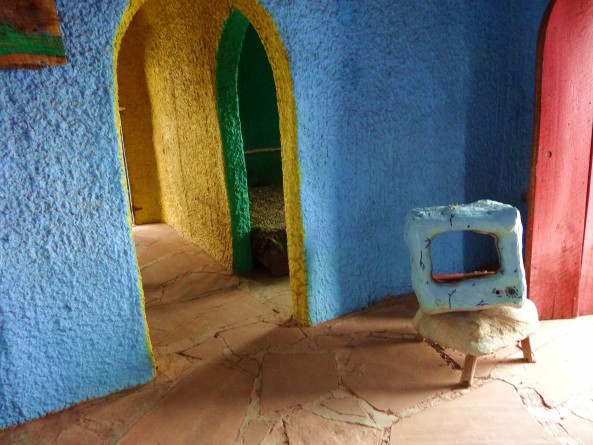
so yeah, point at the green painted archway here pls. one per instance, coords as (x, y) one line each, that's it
(227, 101)
(227, 69)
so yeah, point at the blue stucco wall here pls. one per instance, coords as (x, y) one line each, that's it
(400, 104)
(403, 104)
(71, 324)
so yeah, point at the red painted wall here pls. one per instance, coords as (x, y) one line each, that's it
(561, 163)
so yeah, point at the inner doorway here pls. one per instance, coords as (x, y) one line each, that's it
(184, 171)
(263, 161)
(252, 167)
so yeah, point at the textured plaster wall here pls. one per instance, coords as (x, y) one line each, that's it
(228, 60)
(180, 39)
(228, 57)
(400, 105)
(177, 42)
(500, 106)
(136, 123)
(71, 318)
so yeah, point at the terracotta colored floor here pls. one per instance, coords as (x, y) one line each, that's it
(233, 369)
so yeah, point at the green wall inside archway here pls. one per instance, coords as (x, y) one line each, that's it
(227, 102)
(259, 113)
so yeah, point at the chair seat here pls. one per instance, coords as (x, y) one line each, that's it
(480, 332)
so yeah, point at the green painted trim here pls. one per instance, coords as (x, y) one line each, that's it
(228, 56)
(15, 42)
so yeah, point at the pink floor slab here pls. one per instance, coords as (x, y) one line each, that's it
(233, 368)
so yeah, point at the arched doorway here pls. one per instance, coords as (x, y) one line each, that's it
(235, 30)
(263, 161)
(559, 252)
(136, 124)
(191, 168)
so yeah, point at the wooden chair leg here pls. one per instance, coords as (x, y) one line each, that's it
(469, 369)
(527, 352)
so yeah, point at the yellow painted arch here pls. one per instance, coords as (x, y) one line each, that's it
(263, 23)
(270, 37)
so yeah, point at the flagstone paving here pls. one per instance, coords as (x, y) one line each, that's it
(234, 368)
(492, 414)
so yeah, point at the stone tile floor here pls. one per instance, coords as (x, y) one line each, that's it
(232, 368)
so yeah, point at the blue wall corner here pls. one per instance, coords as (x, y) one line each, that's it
(402, 105)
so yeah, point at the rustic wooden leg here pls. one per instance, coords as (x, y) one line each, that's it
(527, 352)
(469, 369)
(419, 338)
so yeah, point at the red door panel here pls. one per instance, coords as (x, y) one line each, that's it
(561, 159)
(585, 300)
